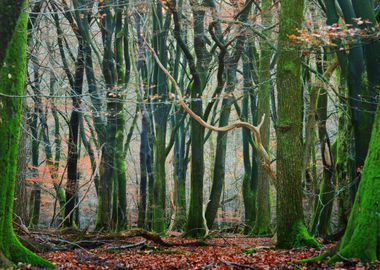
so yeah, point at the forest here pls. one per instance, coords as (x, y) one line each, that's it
(189, 134)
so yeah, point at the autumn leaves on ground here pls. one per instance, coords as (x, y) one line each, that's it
(219, 251)
(227, 251)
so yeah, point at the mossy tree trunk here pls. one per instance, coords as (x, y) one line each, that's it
(112, 204)
(179, 156)
(13, 22)
(196, 226)
(21, 195)
(249, 186)
(161, 25)
(362, 236)
(262, 225)
(291, 230)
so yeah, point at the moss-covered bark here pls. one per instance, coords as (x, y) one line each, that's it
(12, 69)
(196, 226)
(361, 239)
(362, 236)
(262, 225)
(249, 186)
(160, 115)
(291, 230)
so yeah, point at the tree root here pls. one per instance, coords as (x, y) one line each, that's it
(321, 257)
(4, 262)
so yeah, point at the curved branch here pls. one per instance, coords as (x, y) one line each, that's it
(238, 124)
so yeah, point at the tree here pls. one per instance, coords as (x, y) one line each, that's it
(263, 108)
(291, 230)
(231, 64)
(362, 236)
(13, 23)
(160, 115)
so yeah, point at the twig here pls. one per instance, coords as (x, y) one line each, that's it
(134, 245)
(237, 264)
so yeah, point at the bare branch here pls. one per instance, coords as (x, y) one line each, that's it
(265, 160)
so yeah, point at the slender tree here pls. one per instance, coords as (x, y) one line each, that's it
(263, 108)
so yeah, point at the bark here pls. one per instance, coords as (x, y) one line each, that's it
(160, 114)
(249, 186)
(21, 196)
(362, 236)
(13, 25)
(195, 222)
(291, 230)
(262, 225)
(71, 190)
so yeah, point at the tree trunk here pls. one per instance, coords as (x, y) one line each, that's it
(71, 190)
(362, 236)
(13, 23)
(262, 225)
(196, 226)
(249, 186)
(21, 196)
(291, 230)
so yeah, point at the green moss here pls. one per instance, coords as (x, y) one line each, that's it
(249, 251)
(299, 237)
(12, 83)
(362, 236)
(249, 196)
(302, 237)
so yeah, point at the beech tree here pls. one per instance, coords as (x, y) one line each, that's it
(13, 25)
(362, 236)
(291, 229)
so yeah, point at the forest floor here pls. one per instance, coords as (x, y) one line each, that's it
(227, 251)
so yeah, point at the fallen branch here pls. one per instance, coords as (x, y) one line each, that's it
(134, 245)
(237, 264)
(150, 236)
